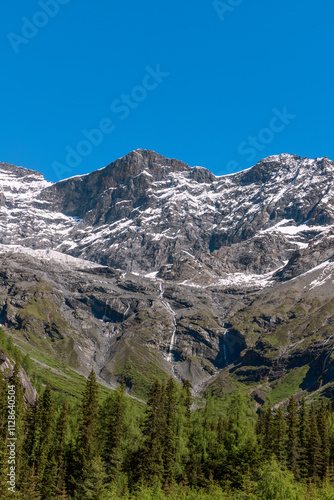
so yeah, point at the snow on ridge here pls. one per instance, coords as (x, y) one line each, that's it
(49, 255)
(326, 269)
(292, 230)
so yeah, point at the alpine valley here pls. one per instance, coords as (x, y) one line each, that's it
(149, 268)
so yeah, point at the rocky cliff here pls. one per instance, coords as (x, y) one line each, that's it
(149, 267)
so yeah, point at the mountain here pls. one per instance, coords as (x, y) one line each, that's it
(149, 267)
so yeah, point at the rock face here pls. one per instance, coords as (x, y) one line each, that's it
(7, 367)
(150, 262)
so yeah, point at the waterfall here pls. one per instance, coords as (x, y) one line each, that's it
(105, 317)
(172, 312)
(171, 346)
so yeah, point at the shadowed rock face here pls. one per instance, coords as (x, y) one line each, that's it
(106, 267)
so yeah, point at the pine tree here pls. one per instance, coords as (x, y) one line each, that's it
(187, 398)
(279, 436)
(38, 444)
(29, 443)
(29, 489)
(93, 483)
(45, 422)
(268, 439)
(87, 440)
(195, 460)
(303, 433)
(314, 447)
(260, 423)
(59, 453)
(322, 421)
(292, 442)
(169, 454)
(115, 432)
(240, 441)
(154, 431)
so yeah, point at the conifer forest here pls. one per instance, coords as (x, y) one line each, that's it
(175, 446)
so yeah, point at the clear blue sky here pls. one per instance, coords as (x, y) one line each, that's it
(203, 82)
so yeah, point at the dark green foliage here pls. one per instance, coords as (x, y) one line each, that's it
(171, 451)
(170, 438)
(267, 430)
(115, 430)
(322, 421)
(87, 444)
(303, 433)
(292, 441)
(187, 398)
(314, 447)
(279, 436)
(93, 482)
(154, 430)
(59, 454)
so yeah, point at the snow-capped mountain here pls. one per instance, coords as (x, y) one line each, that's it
(144, 212)
(151, 255)
(24, 219)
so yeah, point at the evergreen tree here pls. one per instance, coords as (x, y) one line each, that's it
(59, 454)
(240, 441)
(314, 447)
(87, 441)
(115, 432)
(169, 454)
(29, 443)
(154, 431)
(187, 398)
(303, 433)
(268, 440)
(260, 423)
(93, 483)
(38, 444)
(29, 489)
(279, 435)
(45, 423)
(322, 421)
(292, 441)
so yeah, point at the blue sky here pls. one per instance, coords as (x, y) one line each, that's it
(218, 84)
